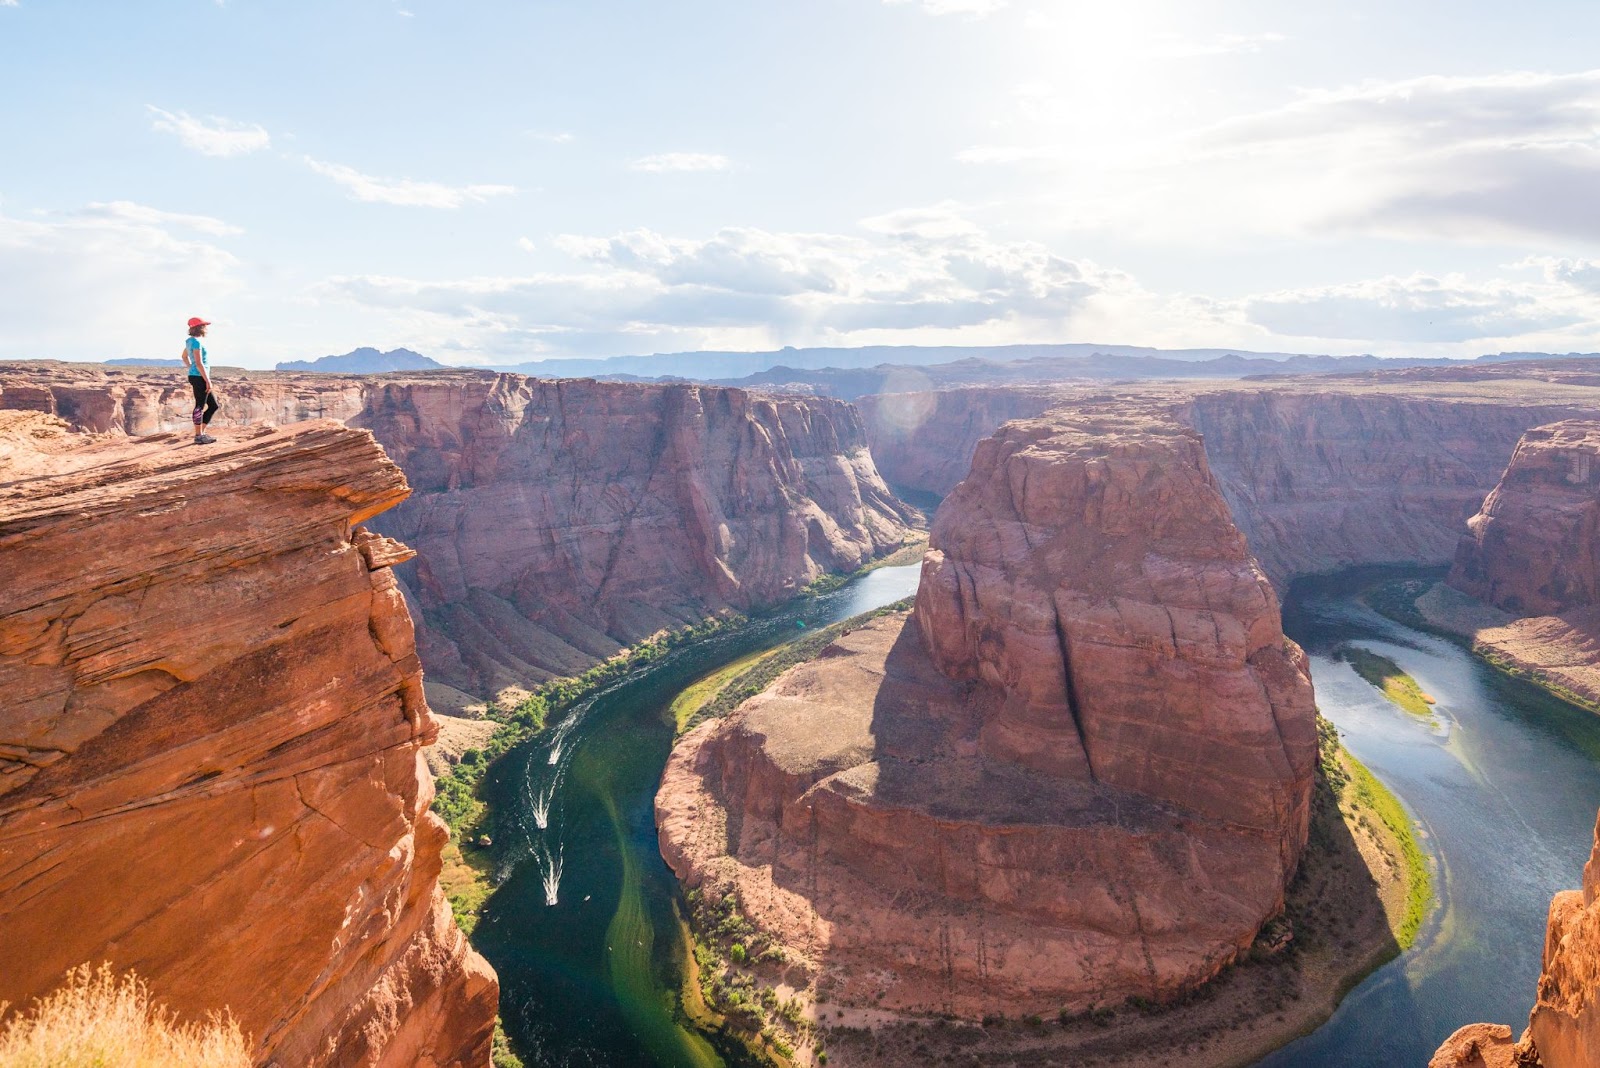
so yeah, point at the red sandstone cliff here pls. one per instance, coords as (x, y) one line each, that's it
(1081, 771)
(210, 751)
(1524, 585)
(1564, 1027)
(1534, 547)
(924, 441)
(1320, 473)
(557, 521)
(1321, 480)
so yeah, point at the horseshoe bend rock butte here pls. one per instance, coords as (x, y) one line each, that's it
(1079, 770)
(210, 743)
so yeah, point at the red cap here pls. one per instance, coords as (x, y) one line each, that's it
(197, 321)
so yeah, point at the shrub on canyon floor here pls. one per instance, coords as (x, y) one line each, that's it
(101, 1020)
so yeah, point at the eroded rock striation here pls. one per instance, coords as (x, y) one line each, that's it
(560, 520)
(1322, 479)
(1564, 1027)
(924, 440)
(1524, 585)
(1534, 547)
(210, 747)
(1079, 771)
(1320, 473)
(556, 521)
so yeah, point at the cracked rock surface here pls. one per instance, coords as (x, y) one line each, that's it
(211, 725)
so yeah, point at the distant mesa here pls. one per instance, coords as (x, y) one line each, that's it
(366, 361)
(142, 361)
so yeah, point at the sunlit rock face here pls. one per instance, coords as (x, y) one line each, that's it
(556, 521)
(1533, 549)
(1320, 473)
(1079, 771)
(210, 743)
(924, 440)
(559, 520)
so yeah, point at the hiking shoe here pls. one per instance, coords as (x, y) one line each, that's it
(205, 439)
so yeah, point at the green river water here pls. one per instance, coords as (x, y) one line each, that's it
(585, 929)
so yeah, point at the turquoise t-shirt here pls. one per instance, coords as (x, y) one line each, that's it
(197, 358)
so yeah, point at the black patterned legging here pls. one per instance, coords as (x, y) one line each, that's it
(205, 401)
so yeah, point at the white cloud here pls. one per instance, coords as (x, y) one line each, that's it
(682, 161)
(526, 244)
(1221, 44)
(930, 276)
(1418, 308)
(558, 137)
(129, 212)
(1581, 274)
(8, 3)
(983, 154)
(944, 220)
(109, 280)
(211, 136)
(970, 8)
(405, 191)
(1494, 158)
(910, 275)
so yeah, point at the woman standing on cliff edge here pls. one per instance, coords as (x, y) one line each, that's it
(205, 401)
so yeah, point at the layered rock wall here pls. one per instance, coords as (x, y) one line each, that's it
(1088, 577)
(1533, 549)
(557, 521)
(210, 746)
(1324, 480)
(1080, 771)
(924, 441)
(1319, 475)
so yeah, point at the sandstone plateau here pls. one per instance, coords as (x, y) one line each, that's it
(556, 521)
(1564, 1027)
(1080, 770)
(210, 751)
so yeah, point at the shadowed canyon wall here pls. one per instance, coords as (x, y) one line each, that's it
(1320, 473)
(557, 521)
(210, 747)
(1067, 778)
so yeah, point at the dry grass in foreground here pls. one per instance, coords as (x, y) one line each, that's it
(101, 1020)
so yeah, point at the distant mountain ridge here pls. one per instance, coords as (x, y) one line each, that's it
(1063, 360)
(365, 361)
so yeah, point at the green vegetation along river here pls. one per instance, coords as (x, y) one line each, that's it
(584, 928)
(1505, 780)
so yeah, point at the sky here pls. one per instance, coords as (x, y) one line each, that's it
(497, 182)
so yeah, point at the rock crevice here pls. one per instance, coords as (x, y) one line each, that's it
(1078, 771)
